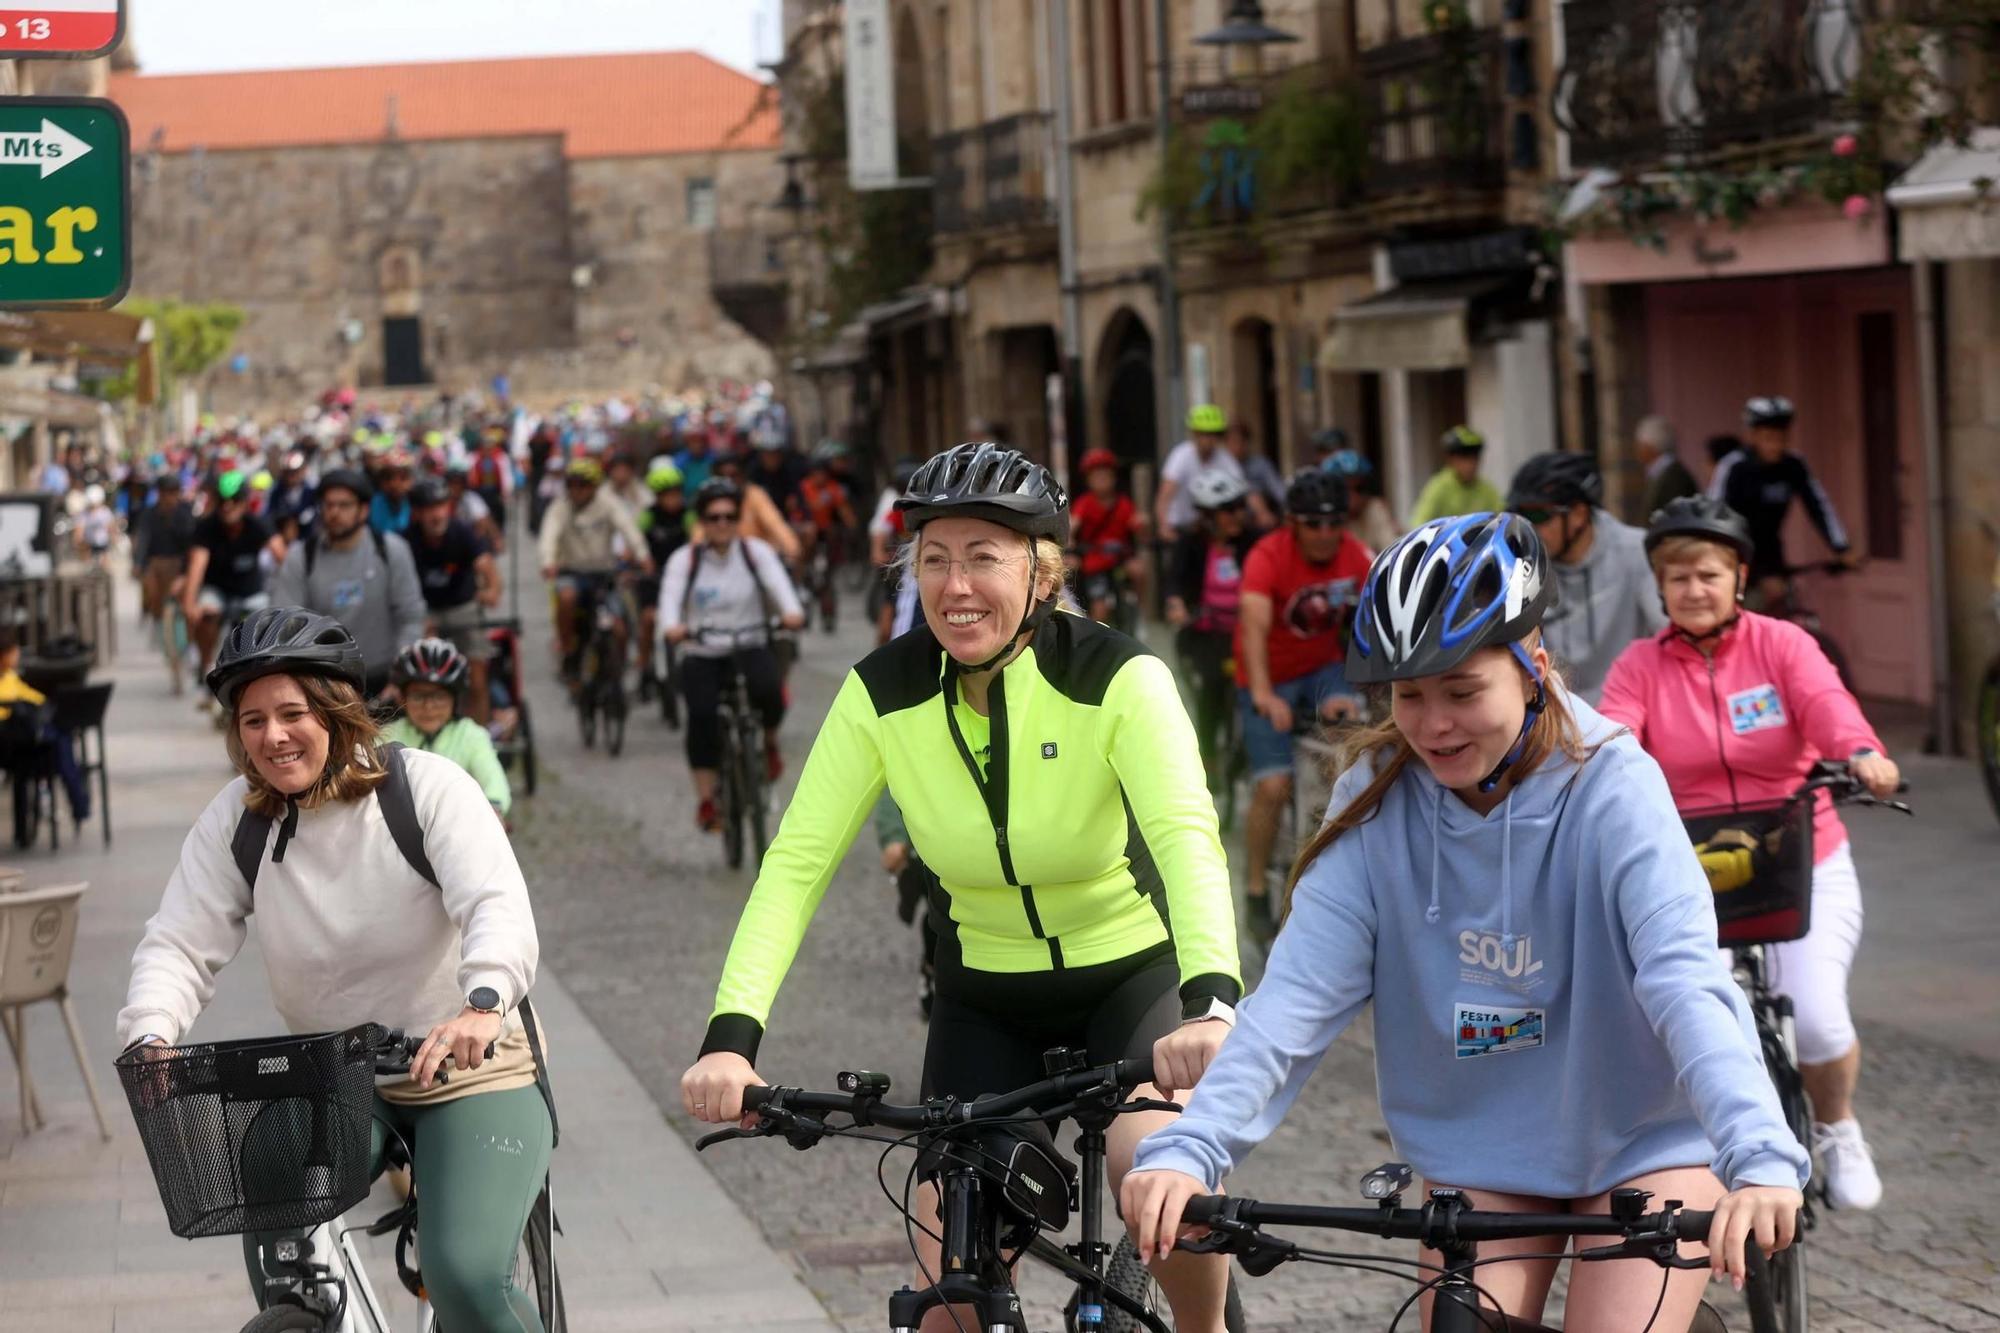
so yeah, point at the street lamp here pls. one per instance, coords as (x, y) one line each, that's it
(1244, 34)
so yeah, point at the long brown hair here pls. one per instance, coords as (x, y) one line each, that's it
(1555, 730)
(353, 749)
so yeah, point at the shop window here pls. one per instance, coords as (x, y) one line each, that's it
(701, 204)
(1881, 443)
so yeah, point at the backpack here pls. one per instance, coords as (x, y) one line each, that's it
(399, 812)
(312, 556)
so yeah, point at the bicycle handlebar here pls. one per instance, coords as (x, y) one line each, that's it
(1431, 1223)
(397, 1051)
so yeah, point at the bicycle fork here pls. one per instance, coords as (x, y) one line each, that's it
(1090, 1249)
(960, 1280)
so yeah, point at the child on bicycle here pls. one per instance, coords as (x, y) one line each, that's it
(1503, 876)
(1204, 589)
(431, 676)
(1104, 535)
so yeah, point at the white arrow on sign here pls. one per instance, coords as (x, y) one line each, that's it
(51, 150)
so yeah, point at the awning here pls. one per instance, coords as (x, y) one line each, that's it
(1417, 326)
(1948, 204)
(101, 337)
(913, 307)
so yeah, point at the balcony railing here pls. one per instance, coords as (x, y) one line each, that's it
(999, 174)
(1434, 111)
(1648, 80)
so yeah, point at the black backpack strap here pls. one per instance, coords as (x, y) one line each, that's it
(541, 1069)
(312, 554)
(399, 812)
(253, 831)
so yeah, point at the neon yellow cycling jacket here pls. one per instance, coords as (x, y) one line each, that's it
(1089, 825)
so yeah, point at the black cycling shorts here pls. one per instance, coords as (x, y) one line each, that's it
(989, 1029)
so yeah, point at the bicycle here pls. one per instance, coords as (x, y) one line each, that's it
(1002, 1184)
(1759, 862)
(1316, 752)
(667, 672)
(1452, 1227)
(1790, 606)
(600, 689)
(742, 796)
(273, 1135)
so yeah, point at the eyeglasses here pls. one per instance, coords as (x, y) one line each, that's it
(1319, 522)
(1535, 513)
(720, 516)
(985, 566)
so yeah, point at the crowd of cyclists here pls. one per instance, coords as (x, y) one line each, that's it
(1533, 689)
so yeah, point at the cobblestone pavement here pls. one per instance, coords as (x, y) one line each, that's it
(636, 914)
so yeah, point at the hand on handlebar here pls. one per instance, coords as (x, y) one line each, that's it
(467, 1039)
(676, 633)
(1274, 710)
(1151, 1203)
(1878, 773)
(1765, 1214)
(712, 1088)
(792, 622)
(1182, 1056)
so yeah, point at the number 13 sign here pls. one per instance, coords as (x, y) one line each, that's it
(63, 29)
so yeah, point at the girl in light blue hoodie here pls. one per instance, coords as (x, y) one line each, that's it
(1504, 876)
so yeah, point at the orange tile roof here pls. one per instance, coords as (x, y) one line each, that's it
(608, 106)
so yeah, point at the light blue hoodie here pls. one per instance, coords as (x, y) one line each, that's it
(1552, 1016)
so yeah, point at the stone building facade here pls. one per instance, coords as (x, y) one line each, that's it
(402, 227)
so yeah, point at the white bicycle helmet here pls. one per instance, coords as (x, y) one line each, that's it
(1216, 490)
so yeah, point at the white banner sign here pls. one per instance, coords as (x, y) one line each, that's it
(871, 97)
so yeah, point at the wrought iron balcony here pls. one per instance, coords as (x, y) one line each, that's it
(1434, 111)
(746, 276)
(1000, 174)
(1648, 80)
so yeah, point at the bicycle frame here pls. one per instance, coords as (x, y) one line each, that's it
(342, 1272)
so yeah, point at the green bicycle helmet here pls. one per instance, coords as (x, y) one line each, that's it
(664, 477)
(1207, 419)
(229, 486)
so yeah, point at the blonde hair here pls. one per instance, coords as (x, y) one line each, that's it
(1686, 549)
(354, 765)
(1555, 730)
(1050, 566)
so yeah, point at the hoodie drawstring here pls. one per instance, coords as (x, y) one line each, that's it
(1507, 874)
(1433, 912)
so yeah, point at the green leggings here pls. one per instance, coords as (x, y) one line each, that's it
(480, 1162)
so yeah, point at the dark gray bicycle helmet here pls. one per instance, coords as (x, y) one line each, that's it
(988, 481)
(1556, 480)
(1316, 493)
(1699, 516)
(1773, 409)
(427, 492)
(286, 639)
(716, 488)
(347, 479)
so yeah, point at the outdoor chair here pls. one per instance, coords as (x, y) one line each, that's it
(79, 714)
(37, 937)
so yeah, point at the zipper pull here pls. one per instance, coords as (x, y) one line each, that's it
(1000, 836)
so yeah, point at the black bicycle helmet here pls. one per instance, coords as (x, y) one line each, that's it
(430, 662)
(427, 492)
(284, 639)
(1445, 591)
(1556, 480)
(1462, 440)
(1768, 410)
(347, 479)
(1699, 516)
(717, 488)
(1316, 493)
(988, 481)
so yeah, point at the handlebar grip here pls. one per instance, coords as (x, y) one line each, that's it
(1202, 1209)
(1692, 1223)
(755, 1098)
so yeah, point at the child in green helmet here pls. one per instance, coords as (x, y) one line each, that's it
(667, 521)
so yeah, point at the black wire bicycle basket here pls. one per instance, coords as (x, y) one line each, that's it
(1759, 862)
(258, 1135)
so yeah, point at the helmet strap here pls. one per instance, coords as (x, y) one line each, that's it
(1570, 534)
(1037, 613)
(1535, 707)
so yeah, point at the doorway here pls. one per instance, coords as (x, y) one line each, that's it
(403, 351)
(1131, 422)
(1253, 349)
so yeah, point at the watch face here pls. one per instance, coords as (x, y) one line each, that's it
(485, 997)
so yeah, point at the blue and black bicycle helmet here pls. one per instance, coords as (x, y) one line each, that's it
(1349, 463)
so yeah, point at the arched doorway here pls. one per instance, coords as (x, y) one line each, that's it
(1254, 372)
(1125, 369)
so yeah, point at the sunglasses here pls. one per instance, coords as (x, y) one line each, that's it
(1319, 523)
(1535, 513)
(720, 516)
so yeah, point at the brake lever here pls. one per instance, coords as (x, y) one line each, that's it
(1149, 1104)
(762, 1131)
(1662, 1249)
(1255, 1251)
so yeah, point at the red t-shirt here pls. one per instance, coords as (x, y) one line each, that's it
(1310, 604)
(1101, 533)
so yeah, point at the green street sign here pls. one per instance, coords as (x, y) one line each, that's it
(65, 216)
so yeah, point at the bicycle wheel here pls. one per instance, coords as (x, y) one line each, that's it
(753, 789)
(730, 795)
(1774, 1291)
(1989, 733)
(586, 712)
(527, 735)
(1127, 1273)
(285, 1319)
(538, 1241)
(614, 717)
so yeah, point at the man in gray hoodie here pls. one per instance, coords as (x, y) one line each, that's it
(365, 579)
(1605, 592)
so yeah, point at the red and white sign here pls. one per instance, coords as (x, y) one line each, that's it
(30, 28)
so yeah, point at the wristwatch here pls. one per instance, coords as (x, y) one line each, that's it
(484, 999)
(1206, 1007)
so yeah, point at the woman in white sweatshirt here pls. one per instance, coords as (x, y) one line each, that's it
(352, 932)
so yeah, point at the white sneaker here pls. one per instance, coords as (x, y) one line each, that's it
(1851, 1180)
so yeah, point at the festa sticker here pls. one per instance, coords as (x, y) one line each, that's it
(1756, 709)
(1484, 1030)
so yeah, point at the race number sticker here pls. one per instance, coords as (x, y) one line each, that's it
(1485, 1031)
(1755, 709)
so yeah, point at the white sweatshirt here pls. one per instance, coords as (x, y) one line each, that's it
(350, 932)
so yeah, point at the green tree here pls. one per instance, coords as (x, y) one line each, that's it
(188, 339)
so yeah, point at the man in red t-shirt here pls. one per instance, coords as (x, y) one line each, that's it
(1104, 537)
(1300, 584)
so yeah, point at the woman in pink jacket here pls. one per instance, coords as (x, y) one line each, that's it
(1736, 707)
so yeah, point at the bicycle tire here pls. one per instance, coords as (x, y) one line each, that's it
(527, 738)
(1129, 1274)
(1760, 1294)
(752, 785)
(1989, 733)
(732, 805)
(614, 718)
(285, 1319)
(538, 1238)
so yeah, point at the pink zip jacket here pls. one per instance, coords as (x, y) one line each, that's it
(1744, 727)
